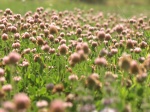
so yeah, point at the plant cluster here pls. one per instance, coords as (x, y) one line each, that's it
(74, 61)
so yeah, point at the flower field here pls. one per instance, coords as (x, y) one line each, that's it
(74, 61)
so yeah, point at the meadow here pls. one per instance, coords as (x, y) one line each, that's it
(70, 56)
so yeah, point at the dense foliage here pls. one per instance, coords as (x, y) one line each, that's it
(74, 61)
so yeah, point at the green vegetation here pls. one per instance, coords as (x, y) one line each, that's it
(71, 56)
(124, 8)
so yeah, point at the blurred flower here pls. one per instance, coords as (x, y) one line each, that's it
(16, 78)
(2, 72)
(21, 101)
(100, 61)
(63, 49)
(13, 58)
(58, 88)
(57, 106)
(124, 62)
(107, 109)
(7, 88)
(42, 104)
(73, 77)
(9, 106)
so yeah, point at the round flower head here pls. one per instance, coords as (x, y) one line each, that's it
(73, 77)
(9, 106)
(57, 106)
(2, 80)
(50, 86)
(134, 67)
(83, 56)
(94, 44)
(7, 88)
(101, 35)
(108, 37)
(137, 50)
(14, 57)
(51, 37)
(22, 101)
(119, 28)
(58, 88)
(92, 81)
(16, 45)
(46, 32)
(79, 31)
(75, 57)
(100, 61)
(4, 36)
(40, 40)
(146, 63)
(141, 77)
(2, 94)
(85, 48)
(17, 78)
(53, 29)
(2, 26)
(2, 72)
(26, 35)
(143, 44)
(45, 48)
(124, 61)
(63, 49)
(129, 43)
(42, 104)
(52, 50)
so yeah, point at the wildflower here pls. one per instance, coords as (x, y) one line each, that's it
(13, 57)
(50, 86)
(9, 106)
(73, 77)
(51, 37)
(134, 67)
(70, 97)
(124, 62)
(4, 36)
(45, 48)
(53, 29)
(7, 88)
(57, 106)
(58, 88)
(100, 61)
(79, 31)
(137, 50)
(101, 35)
(119, 28)
(16, 45)
(63, 49)
(141, 77)
(85, 48)
(2, 80)
(40, 40)
(17, 78)
(21, 101)
(75, 57)
(42, 104)
(129, 43)
(2, 72)
(108, 37)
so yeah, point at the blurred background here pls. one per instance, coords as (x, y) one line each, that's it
(123, 7)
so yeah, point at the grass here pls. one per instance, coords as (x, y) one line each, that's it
(125, 10)
(96, 77)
